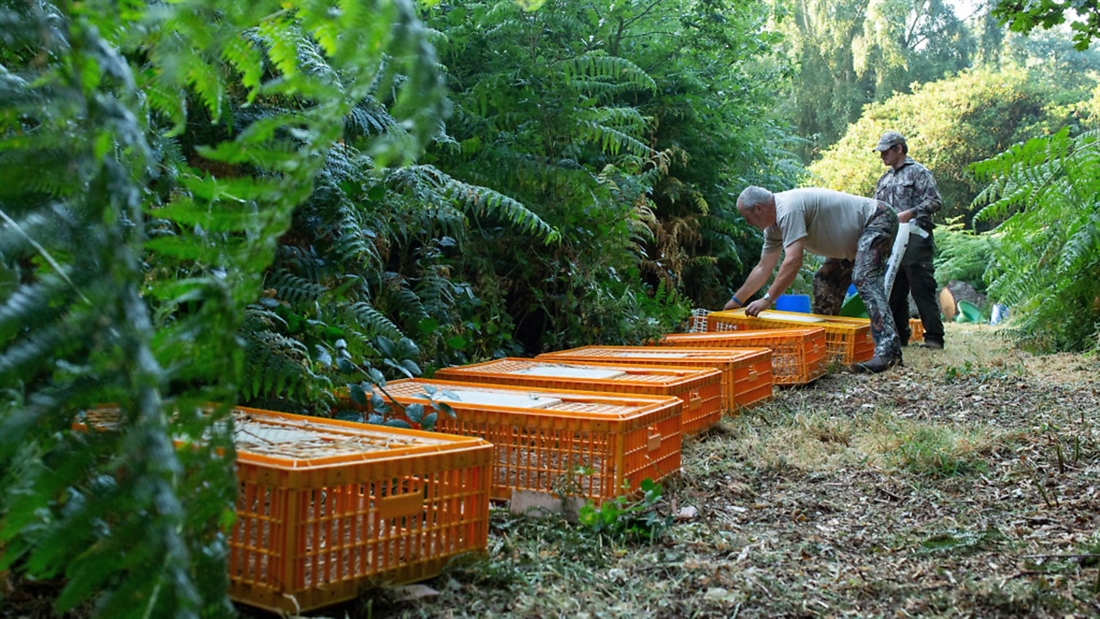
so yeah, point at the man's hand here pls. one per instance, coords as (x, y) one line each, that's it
(757, 306)
(731, 305)
(905, 216)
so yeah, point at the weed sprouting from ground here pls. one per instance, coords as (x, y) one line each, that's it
(628, 516)
(965, 541)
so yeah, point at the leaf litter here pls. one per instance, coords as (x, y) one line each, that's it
(964, 484)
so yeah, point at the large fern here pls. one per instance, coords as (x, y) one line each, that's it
(103, 509)
(370, 257)
(141, 207)
(1046, 194)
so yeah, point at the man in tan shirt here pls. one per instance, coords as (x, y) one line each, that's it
(853, 233)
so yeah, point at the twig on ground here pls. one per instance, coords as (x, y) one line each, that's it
(1087, 555)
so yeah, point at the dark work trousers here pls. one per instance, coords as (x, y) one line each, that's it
(868, 273)
(916, 275)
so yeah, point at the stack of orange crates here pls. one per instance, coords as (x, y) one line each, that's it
(592, 445)
(847, 340)
(798, 355)
(327, 507)
(700, 389)
(746, 372)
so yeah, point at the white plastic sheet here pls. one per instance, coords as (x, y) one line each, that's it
(901, 241)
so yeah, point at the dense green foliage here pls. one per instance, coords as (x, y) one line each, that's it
(142, 196)
(1022, 16)
(949, 124)
(1049, 252)
(246, 216)
(963, 255)
(632, 123)
(854, 52)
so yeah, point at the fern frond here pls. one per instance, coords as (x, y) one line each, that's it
(429, 182)
(294, 288)
(407, 298)
(368, 118)
(598, 65)
(276, 366)
(373, 322)
(611, 140)
(1082, 248)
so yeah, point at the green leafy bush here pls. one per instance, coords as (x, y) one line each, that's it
(1046, 194)
(949, 124)
(630, 131)
(963, 255)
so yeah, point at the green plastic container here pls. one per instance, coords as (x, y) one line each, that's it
(968, 312)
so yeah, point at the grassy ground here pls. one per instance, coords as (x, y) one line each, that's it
(966, 484)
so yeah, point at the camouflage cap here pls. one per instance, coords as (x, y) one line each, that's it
(889, 140)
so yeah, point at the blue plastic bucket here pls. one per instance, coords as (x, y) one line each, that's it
(793, 303)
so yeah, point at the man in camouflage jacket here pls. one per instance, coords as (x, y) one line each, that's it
(909, 187)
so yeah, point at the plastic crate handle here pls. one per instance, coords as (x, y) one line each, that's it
(400, 505)
(653, 441)
(694, 401)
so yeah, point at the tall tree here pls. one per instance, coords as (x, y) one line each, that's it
(854, 52)
(948, 124)
(911, 43)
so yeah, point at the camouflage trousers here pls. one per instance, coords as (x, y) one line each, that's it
(867, 272)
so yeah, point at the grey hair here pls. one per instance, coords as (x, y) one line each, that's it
(752, 196)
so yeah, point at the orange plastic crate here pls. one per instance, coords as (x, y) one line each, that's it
(746, 372)
(325, 507)
(916, 330)
(590, 444)
(700, 389)
(798, 355)
(847, 340)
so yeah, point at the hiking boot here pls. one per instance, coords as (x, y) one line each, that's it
(876, 364)
(932, 344)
